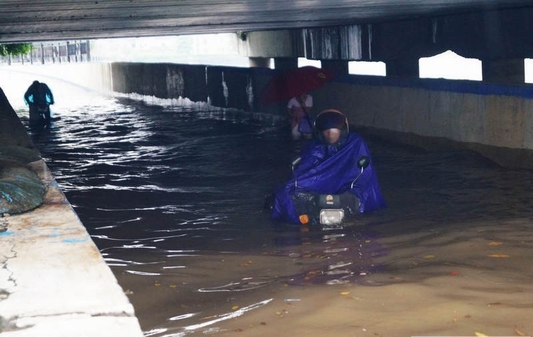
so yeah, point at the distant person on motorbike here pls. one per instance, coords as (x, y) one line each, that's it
(39, 97)
(329, 166)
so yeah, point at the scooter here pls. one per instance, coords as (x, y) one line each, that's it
(40, 114)
(326, 209)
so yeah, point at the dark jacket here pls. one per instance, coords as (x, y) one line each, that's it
(38, 93)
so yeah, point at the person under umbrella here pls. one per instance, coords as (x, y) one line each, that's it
(299, 110)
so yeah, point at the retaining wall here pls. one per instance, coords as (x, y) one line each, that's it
(494, 120)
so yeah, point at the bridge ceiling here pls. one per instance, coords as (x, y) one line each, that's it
(51, 20)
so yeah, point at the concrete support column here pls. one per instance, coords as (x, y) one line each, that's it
(404, 68)
(42, 53)
(509, 71)
(285, 63)
(259, 62)
(88, 44)
(339, 67)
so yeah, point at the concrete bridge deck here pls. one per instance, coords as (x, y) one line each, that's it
(53, 280)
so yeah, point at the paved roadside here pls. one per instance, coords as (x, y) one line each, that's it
(53, 280)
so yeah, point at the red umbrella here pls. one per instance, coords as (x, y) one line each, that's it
(294, 82)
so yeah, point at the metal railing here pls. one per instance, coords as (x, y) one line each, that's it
(53, 52)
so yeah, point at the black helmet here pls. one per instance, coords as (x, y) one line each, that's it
(331, 119)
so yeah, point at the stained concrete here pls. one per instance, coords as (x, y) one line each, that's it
(53, 280)
(488, 119)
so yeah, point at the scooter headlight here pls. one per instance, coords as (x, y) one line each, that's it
(330, 216)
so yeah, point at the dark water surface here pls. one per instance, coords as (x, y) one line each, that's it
(173, 199)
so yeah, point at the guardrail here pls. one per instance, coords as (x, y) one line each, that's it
(53, 52)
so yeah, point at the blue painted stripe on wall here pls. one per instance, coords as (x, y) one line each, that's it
(468, 87)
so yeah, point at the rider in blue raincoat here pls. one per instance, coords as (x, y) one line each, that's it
(329, 166)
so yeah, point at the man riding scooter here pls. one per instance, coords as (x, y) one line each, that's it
(39, 97)
(336, 163)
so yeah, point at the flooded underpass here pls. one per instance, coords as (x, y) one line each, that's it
(173, 197)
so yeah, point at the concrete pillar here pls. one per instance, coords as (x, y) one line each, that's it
(259, 62)
(42, 54)
(403, 68)
(339, 67)
(504, 71)
(88, 46)
(285, 63)
(215, 86)
(275, 43)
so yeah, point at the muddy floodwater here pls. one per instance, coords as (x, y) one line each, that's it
(173, 198)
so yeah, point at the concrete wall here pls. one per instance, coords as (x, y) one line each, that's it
(223, 87)
(274, 43)
(494, 120)
(94, 76)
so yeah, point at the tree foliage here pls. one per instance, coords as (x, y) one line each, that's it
(15, 49)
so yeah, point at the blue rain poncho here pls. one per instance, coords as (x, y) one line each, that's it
(330, 169)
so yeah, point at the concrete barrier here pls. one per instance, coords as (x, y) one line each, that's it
(53, 280)
(492, 119)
